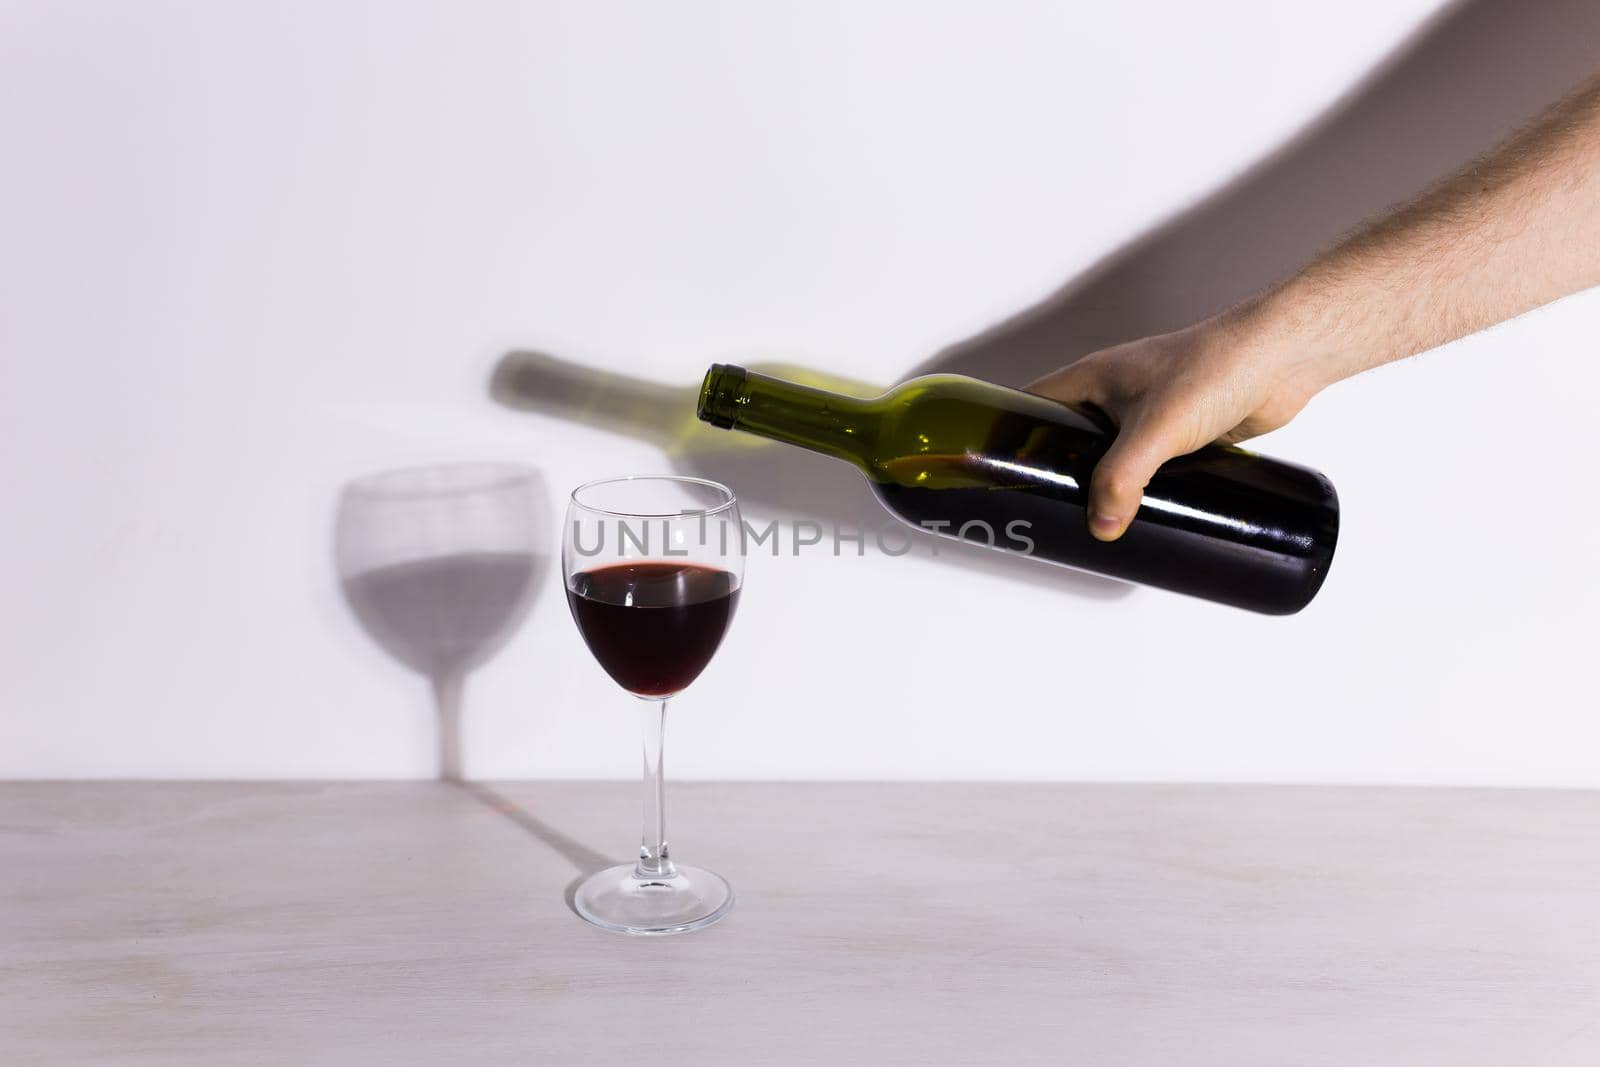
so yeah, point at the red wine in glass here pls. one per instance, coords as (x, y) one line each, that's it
(653, 568)
(653, 626)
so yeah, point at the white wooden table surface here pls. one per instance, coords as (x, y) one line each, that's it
(881, 924)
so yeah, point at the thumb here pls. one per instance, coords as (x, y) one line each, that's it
(1119, 479)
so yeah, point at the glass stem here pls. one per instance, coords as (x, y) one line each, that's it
(653, 860)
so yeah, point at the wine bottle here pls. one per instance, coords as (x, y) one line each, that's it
(979, 462)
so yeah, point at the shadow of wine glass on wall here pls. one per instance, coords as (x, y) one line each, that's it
(1473, 73)
(773, 480)
(440, 564)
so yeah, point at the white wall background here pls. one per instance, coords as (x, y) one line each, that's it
(251, 250)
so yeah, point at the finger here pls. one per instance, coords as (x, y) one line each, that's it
(1079, 382)
(1119, 480)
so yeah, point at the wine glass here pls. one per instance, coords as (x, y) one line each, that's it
(653, 568)
(440, 565)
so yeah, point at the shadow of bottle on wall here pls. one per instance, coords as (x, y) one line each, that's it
(440, 565)
(773, 480)
(1472, 74)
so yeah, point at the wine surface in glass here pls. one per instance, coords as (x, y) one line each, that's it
(653, 626)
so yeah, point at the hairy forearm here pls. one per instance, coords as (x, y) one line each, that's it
(1517, 229)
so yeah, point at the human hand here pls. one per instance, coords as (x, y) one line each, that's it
(1225, 379)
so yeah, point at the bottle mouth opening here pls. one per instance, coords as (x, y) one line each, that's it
(720, 395)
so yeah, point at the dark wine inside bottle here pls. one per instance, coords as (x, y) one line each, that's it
(1260, 562)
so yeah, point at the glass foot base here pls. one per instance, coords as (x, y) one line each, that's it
(616, 899)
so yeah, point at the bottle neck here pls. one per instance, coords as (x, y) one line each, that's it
(831, 423)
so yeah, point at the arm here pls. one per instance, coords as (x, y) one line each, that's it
(1515, 230)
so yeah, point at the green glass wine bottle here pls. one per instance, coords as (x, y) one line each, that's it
(979, 462)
